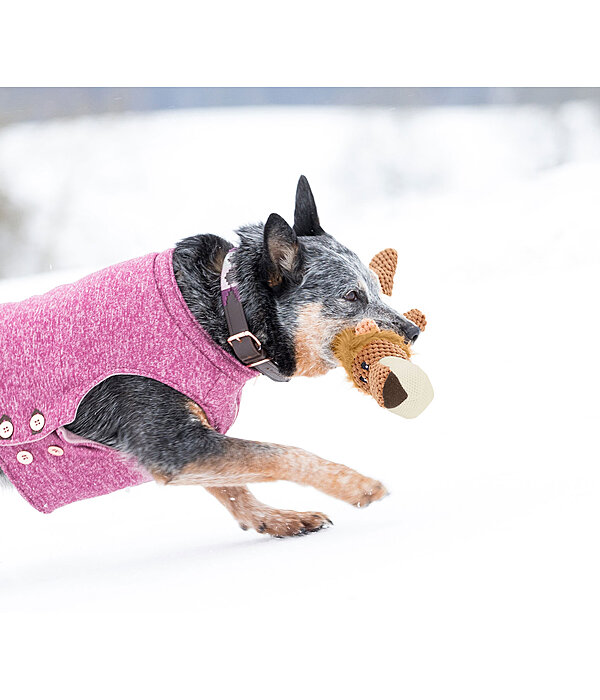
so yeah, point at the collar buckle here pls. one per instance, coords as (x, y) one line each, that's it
(245, 334)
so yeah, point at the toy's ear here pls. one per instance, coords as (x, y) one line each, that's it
(417, 317)
(384, 266)
(366, 325)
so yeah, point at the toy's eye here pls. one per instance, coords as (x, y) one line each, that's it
(351, 296)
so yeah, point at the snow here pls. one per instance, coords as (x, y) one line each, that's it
(478, 576)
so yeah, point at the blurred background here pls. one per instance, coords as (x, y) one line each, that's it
(90, 176)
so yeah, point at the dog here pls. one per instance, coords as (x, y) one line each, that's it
(296, 287)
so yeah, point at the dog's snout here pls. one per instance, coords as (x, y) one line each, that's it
(406, 329)
(388, 319)
(409, 329)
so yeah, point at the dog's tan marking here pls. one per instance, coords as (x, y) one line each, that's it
(251, 513)
(217, 261)
(244, 461)
(311, 332)
(199, 413)
(275, 280)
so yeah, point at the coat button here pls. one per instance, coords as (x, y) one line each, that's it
(56, 450)
(37, 422)
(24, 457)
(6, 428)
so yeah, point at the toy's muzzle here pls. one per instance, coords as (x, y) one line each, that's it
(407, 390)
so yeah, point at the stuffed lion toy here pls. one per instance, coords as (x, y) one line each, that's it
(378, 362)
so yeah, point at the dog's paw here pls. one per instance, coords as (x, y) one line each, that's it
(287, 523)
(367, 491)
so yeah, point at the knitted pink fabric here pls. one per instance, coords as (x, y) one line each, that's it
(125, 319)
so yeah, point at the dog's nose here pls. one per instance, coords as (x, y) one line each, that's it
(413, 334)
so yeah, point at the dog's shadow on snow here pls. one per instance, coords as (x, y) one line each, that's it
(98, 569)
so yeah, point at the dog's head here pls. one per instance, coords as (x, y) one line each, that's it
(315, 287)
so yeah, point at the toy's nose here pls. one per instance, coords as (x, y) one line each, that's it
(393, 392)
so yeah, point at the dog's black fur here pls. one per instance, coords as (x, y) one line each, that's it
(281, 271)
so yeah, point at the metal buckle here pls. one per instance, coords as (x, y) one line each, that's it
(245, 334)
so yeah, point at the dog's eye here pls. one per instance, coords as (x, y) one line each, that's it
(351, 296)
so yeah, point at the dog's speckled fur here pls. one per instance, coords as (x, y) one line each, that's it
(293, 283)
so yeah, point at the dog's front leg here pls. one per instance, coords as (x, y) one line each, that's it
(233, 462)
(251, 513)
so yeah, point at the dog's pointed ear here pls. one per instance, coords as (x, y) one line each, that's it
(384, 266)
(283, 257)
(306, 219)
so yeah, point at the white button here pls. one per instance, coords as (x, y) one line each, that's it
(6, 428)
(56, 450)
(37, 422)
(25, 457)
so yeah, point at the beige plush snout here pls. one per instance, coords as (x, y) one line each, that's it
(414, 382)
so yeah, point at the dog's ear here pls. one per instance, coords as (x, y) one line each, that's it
(306, 219)
(283, 259)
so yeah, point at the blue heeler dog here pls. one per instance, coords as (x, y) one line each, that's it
(298, 287)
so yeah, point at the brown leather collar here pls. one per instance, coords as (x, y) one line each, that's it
(246, 346)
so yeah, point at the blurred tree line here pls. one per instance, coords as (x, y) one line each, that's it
(26, 104)
(11, 234)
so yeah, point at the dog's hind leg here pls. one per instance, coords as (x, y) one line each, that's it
(251, 513)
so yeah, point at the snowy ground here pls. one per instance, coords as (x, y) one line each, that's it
(478, 577)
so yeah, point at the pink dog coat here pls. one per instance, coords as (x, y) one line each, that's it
(54, 348)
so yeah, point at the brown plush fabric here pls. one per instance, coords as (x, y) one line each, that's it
(359, 351)
(384, 266)
(347, 344)
(417, 317)
(366, 325)
(352, 349)
(370, 356)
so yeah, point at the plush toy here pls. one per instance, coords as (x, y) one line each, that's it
(378, 362)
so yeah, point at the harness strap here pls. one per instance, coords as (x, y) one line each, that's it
(246, 346)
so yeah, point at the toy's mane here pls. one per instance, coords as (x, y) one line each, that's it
(347, 344)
